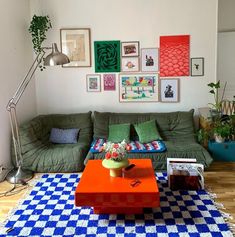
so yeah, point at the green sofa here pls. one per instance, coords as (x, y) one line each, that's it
(40, 155)
(176, 129)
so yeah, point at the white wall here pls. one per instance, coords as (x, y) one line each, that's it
(16, 57)
(226, 63)
(62, 90)
(226, 16)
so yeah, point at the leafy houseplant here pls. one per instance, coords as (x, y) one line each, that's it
(222, 131)
(38, 28)
(217, 105)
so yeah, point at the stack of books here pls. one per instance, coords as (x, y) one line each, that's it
(185, 174)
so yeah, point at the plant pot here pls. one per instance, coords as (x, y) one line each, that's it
(115, 167)
(218, 138)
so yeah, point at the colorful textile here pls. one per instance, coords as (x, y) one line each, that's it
(135, 146)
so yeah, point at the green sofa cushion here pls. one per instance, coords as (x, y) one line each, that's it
(119, 132)
(147, 131)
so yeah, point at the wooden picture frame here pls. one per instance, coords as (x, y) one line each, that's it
(130, 64)
(138, 87)
(76, 44)
(197, 67)
(169, 90)
(93, 83)
(150, 60)
(130, 49)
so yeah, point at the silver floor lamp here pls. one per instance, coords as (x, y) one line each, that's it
(54, 58)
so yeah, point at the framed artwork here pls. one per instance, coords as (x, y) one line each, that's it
(130, 64)
(130, 49)
(169, 90)
(149, 60)
(93, 83)
(138, 87)
(174, 55)
(76, 44)
(107, 56)
(197, 67)
(109, 82)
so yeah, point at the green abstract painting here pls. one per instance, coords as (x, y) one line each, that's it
(107, 56)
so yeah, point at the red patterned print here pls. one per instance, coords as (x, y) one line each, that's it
(174, 55)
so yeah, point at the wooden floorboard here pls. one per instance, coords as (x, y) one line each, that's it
(220, 178)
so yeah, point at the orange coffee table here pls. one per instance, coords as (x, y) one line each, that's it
(118, 195)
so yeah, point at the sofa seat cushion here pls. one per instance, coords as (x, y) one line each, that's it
(174, 150)
(135, 146)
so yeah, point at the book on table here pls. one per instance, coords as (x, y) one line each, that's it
(185, 174)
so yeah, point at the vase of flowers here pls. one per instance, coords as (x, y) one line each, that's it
(115, 158)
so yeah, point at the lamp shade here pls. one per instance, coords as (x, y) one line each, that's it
(55, 57)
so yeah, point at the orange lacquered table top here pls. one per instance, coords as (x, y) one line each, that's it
(96, 187)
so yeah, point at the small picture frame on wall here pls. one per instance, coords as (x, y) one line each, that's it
(109, 82)
(130, 64)
(76, 44)
(93, 83)
(197, 67)
(150, 60)
(130, 49)
(169, 90)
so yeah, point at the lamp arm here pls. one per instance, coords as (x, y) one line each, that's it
(11, 107)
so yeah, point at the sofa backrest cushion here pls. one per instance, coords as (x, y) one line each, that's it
(171, 125)
(42, 124)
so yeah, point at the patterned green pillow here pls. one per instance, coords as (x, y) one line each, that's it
(147, 131)
(119, 132)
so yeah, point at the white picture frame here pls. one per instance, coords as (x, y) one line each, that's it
(130, 64)
(93, 82)
(150, 60)
(169, 90)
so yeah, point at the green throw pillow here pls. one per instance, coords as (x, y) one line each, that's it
(147, 131)
(119, 132)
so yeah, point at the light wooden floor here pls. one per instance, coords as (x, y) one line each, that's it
(220, 177)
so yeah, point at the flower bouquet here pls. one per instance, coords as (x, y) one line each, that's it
(115, 151)
(115, 158)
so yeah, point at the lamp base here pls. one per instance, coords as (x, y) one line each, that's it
(19, 176)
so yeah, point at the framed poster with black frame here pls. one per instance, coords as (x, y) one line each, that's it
(169, 90)
(197, 67)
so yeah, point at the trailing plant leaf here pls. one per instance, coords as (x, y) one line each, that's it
(38, 28)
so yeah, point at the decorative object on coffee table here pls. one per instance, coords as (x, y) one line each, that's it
(115, 158)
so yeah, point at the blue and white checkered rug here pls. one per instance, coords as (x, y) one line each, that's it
(49, 210)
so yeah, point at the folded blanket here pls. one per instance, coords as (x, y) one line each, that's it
(135, 146)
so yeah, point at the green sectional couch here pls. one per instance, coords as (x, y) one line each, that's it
(176, 129)
(40, 155)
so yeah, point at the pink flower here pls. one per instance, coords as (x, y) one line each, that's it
(116, 146)
(107, 155)
(114, 154)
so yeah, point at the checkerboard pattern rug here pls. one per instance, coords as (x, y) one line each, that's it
(49, 210)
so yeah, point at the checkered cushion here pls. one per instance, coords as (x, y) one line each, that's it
(49, 210)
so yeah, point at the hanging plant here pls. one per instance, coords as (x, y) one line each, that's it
(38, 28)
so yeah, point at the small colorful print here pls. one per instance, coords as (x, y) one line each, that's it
(93, 83)
(109, 82)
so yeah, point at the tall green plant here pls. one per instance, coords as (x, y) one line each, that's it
(214, 89)
(39, 25)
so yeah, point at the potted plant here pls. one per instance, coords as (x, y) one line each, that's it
(222, 131)
(39, 25)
